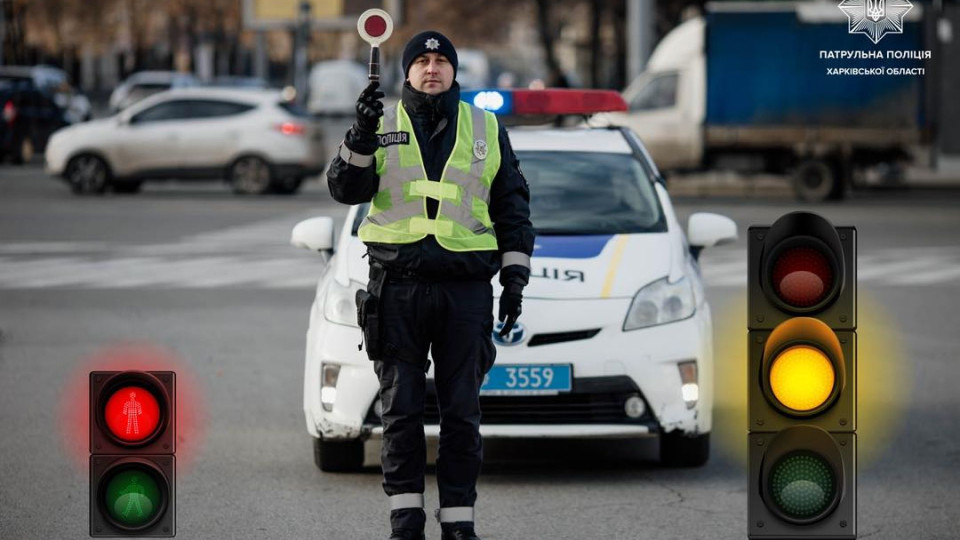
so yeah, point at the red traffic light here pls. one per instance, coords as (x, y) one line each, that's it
(802, 276)
(132, 446)
(132, 413)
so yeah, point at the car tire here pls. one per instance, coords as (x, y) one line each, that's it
(24, 151)
(127, 187)
(251, 175)
(680, 450)
(289, 185)
(87, 174)
(338, 456)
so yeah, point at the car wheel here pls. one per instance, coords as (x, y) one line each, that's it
(127, 187)
(289, 185)
(88, 174)
(681, 450)
(24, 152)
(338, 456)
(251, 175)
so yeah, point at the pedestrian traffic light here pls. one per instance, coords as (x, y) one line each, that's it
(802, 379)
(132, 446)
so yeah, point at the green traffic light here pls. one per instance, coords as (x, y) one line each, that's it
(803, 485)
(132, 498)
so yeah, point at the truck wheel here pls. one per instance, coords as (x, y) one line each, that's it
(338, 456)
(814, 181)
(680, 450)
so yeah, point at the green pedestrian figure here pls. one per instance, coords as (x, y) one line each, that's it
(134, 492)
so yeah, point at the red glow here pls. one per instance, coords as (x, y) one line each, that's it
(132, 413)
(190, 405)
(566, 101)
(9, 112)
(375, 26)
(289, 128)
(802, 276)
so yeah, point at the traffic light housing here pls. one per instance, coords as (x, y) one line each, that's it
(132, 447)
(802, 379)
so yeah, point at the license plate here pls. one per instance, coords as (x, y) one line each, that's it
(528, 380)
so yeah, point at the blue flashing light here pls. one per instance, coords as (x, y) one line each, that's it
(495, 101)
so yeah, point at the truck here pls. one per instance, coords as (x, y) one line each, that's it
(782, 88)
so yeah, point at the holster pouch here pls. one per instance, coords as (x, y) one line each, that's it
(369, 316)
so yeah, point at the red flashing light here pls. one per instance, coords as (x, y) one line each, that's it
(566, 101)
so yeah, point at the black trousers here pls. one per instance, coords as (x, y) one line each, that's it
(454, 320)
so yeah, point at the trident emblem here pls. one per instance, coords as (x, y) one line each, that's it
(876, 9)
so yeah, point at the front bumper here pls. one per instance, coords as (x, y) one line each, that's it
(646, 359)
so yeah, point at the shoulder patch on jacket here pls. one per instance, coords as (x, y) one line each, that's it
(393, 137)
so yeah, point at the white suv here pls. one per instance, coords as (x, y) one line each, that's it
(254, 139)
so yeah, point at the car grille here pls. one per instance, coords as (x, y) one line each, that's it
(562, 337)
(594, 400)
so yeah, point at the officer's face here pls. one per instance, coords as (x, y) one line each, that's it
(431, 73)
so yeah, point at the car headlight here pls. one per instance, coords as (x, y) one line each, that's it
(340, 304)
(661, 302)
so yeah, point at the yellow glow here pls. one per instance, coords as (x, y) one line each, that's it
(884, 376)
(802, 378)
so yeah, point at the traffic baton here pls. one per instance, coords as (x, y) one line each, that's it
(375, 26)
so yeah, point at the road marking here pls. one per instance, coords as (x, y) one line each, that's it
(212, 264)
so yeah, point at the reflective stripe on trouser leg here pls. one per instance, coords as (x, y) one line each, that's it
(406, 500)
(455, 514)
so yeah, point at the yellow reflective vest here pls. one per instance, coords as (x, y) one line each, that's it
(398, 212)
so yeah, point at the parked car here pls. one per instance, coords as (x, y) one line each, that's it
(28, 119)
(616, 335)
(144, 84)
(236, 81)
(334, 87)
(254, 139)
(54, 84)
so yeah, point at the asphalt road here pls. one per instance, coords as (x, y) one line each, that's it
(196, 273)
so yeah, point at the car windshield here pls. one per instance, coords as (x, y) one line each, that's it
(584, 193)
(580, 193)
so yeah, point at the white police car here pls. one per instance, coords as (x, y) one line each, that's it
(615, 337)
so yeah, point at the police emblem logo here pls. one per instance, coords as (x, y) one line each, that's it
(480, 149)
(875, 18)
(432, 44)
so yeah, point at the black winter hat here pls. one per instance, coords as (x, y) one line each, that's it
(429, 41)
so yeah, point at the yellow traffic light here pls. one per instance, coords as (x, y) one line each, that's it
(802, 378)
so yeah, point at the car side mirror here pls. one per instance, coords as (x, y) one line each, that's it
(315, 234)
(705, 229)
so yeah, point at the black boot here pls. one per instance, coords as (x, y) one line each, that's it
(459, 532)
(406, 534)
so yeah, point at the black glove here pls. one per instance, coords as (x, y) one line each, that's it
(369, 109)
(510, 302)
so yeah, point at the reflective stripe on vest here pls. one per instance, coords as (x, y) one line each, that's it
(398, 212)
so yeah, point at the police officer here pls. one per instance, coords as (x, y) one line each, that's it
(449, 208)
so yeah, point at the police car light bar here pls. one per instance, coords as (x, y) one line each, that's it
(551, 101)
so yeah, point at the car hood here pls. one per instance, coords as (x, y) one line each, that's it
(101, 125)
(577, 267)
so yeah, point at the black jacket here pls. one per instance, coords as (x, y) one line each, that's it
(434, 120)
